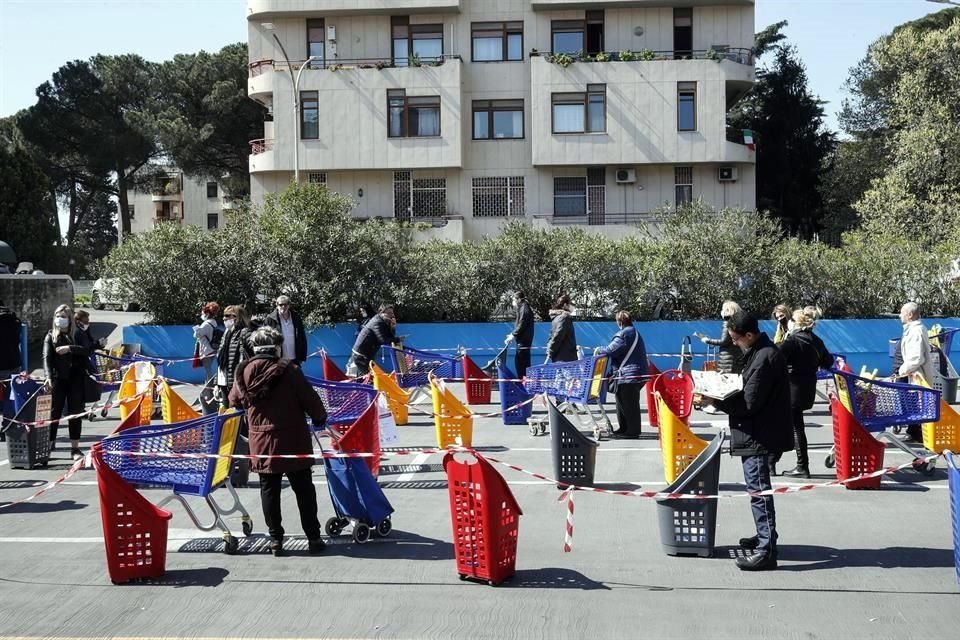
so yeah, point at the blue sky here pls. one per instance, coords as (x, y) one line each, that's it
(37, 36)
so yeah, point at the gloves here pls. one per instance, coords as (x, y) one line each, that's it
(509, 339)
(704, 339)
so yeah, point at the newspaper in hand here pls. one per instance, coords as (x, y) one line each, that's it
(716, 385)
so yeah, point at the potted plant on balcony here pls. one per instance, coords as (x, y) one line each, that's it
(562, 59)
(626, 56)
(415, 61)
(646, 55)
(382, 64)
(602, 57)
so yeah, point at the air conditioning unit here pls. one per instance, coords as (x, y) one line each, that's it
(727, 174)
(626, 176)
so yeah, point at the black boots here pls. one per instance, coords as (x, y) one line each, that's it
(798, 472)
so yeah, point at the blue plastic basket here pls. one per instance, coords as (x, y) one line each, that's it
(22, 390)
(512, 394)
(579, 381)
(877, 404)
(109, 369)
(345, 402)
(413, 366)
(827, 374)
(354, 491)
(946, 339)
(191, 476)
(955, 508)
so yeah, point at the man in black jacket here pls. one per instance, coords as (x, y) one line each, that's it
(378, 331)
(760, 425)
(522, 333)
(290, 325)
(9, 342)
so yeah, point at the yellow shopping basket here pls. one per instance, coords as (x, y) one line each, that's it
(945, 433)
(173, 407)
(678, 444)
(138, 379)
(397, 399)
(226, 447)
(453, 420)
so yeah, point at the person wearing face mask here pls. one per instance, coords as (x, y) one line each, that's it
(66, 365)
(234, 348)
(208, 337)
(83, 338)
(562, 343)
(781, 315)
(276, 397)
(729, 354)
(522, 333)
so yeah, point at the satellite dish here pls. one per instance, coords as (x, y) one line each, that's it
(638, 31)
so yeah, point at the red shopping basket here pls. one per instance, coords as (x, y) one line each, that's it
(676, 389)
(134, 530)
(331, 371)
(653, 372)
(477, 382)
(486, 520)
(363, 436)
(856, 450)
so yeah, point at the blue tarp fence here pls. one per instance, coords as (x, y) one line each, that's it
(864, 342)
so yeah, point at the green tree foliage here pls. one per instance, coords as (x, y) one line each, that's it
(27, 210)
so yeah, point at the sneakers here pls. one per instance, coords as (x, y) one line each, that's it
(76, 454)
(316, 546)
(798, 472)
(764, 561)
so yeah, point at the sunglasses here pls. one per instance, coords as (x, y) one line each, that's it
(229, 315)
(281, 306)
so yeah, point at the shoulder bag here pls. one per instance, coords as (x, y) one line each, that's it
(614, 382)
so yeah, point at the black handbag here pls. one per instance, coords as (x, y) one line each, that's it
(91, 390)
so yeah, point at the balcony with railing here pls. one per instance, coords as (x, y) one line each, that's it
(167, 190)
(738, 55)
(269, 9)
(560, 5)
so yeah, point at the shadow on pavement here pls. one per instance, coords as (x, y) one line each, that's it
(209, 577)
(553, 578)
(391, 469)
(414, 484)
(816, 557)
(21, 484)
(42, 507)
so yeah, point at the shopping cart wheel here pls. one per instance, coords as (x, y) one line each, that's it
(464, 577)
(927, 468)
(230, 544)
(333, 527)
(384, 527)
(247, 527)
(361, 533)
(829, 461)
(897, 429)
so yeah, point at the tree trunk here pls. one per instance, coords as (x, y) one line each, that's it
(72, 220)
(122, 200)
(56, 215)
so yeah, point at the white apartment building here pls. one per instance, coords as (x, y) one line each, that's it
(473, 112)
(181, 199)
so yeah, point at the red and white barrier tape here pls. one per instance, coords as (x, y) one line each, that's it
(568, 529)
(79, 464)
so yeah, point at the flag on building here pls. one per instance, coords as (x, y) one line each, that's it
(748, 139)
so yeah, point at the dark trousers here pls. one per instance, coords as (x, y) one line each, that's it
(629, 415)
(800, 439)
(522, 360)
(69, 392)
(756, 475)
(302, 484)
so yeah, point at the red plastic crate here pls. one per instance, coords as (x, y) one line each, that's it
(485, 518)
(676, 389)
(363, 436)
(331, 371)
(478, 390)
(856, 451)
(653, 372)
(134, 530)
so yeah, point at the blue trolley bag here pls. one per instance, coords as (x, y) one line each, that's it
(354, 491)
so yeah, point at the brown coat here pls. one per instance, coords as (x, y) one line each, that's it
(276, 396)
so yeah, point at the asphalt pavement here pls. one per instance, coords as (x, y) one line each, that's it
(853, 564)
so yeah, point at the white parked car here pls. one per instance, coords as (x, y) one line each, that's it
(108, 292)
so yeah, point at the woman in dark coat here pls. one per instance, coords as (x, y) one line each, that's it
(562, 344)
(234, 348)
(276, 396)
(628, 358)
(729, 355)
(66, 365)
(804, 353)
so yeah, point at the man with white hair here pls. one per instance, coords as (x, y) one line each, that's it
(915, 350)
(288, 323)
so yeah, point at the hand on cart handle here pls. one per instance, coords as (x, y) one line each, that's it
(508, 339)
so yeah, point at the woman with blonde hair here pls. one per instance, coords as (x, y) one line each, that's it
(66, 364)
(781, 315)
(728, 353)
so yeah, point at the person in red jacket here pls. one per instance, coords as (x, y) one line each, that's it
(276, 397)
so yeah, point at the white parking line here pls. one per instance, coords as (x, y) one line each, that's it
(3, 462)
(420, 459)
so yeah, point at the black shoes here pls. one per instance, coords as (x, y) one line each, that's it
(624, 436)
(749, 543)
(276, 548)
(798, 472)
(763, 561)
(316, 546)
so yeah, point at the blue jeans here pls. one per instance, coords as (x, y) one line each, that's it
(756, 475)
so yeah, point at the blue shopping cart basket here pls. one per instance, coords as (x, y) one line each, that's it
(413, 366)
(954, 471)
(512, 394)
(878, 404)
(579, 381)
(345, 402)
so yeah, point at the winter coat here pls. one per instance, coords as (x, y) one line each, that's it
(634, 369)
(523, 328)
(915, 350)
(82, 338)
(276, 396)
(760, 418)
(729, 355)
(234, 347)
(562, 344)
(299, 333)
(804, 353)
(376, 333)
(204, 335)
(72, 365)
(9, 340)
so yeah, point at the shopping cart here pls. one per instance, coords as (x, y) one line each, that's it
(139, 380)
(397, 398)
(331, 371)
(413, 367)
(678, 444)
(825, 376)
(357, 499)
(128, 454)
(653, 374)
(173, 408)
(515, 404)
(574, 454)
(362, 436)
(476, 381)
(28, 446)
(453, 421)
(676, 389)
(879, 404)
(574, 384)
(344, 401)
(953, 464)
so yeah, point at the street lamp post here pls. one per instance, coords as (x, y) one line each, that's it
(295, 82)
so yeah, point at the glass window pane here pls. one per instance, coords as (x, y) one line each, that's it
(428, 49)
(515, 46)
(568, 42)
(400, 52)
(487, 48)
(424, 121)
(481, 125)
(568, 118)
(686, 115)
(507, 124)
(596, 114)
(396, 120)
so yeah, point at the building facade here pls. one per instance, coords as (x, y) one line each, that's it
(180, 199)
(468, 113)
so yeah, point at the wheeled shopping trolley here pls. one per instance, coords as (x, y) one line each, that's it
(357, 500)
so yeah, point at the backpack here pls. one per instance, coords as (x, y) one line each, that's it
(217, 338)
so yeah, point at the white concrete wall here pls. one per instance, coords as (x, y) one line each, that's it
(192, 201)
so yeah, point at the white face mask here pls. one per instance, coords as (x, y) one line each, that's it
(229, 322)
(81, 326)
(62, 323)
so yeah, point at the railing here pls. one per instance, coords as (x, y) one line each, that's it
(261, 146)
(343, 64)
(738, 55)
(433, 221)
(597, 219)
